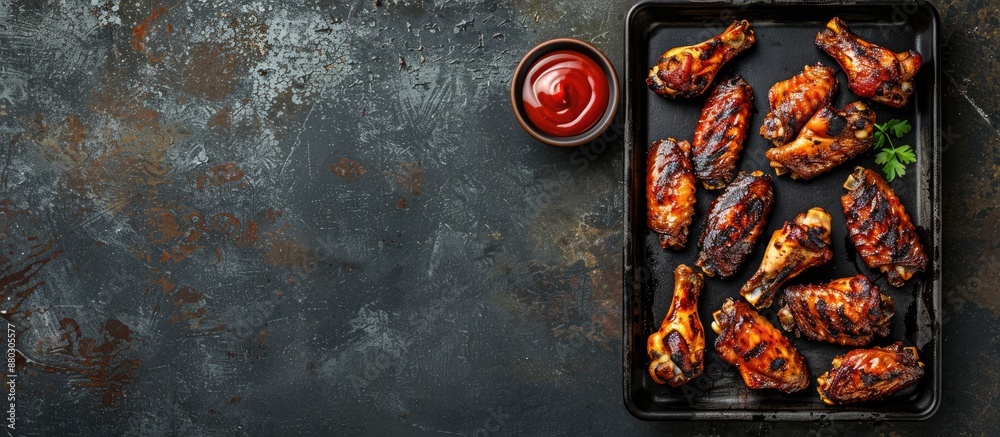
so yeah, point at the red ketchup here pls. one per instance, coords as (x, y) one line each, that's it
(565, 93)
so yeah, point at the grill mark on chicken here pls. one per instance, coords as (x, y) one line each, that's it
(880, 228)
(670, 191)
(837, 124)
(872, 71)
(863, 375)
(762, 355)
(826, 142)
(777, 364)
(755, 207)
(755, 352)
(735, 220)
(705, 160)
(720, 132)
(795, 100)
(677, 349)
(848, 311)
(687, 71)
(799, 245)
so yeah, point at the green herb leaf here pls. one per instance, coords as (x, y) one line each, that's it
(906, 155)
(893, 169)
(893, 159)
(901, 128)
(879, 139)
(884, 156)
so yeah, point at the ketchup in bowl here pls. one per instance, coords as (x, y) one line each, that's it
(565, 93)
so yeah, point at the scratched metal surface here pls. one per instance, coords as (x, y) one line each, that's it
(281, 217)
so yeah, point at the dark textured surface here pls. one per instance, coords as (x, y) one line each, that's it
(288, 217)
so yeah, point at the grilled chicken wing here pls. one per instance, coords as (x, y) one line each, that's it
(873, 72)
(880, 228)
(828, 139)
(847, 311)
(721, 129)
(797, 246)
(764, 357)
(794, 100)
(670, 191)
(677, 350)
(688, 71)
(735, 220)
(870, 374)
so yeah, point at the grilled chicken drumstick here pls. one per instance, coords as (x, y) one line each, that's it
(688, 71)
(677, 350)
(847, 311)
(830, 138)
(735, 220)
(670, 191)
(870, 374)
(873, 72)
(722, 127)
(794, 100)
(764, 357)
(880, 228)
(797, 246)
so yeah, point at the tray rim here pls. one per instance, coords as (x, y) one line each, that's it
(628, 271)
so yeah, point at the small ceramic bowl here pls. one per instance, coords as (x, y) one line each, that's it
(521, 73)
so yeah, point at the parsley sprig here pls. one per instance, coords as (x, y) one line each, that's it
(893, 159)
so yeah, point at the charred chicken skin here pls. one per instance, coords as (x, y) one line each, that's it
(880, 228)
(677, 350)
(764, 357)
(794, 100)
(873, 72)
(829, 139)
(735, 220)
(870, 374)
(847, 311)
(722, 127)
(688, 71)
(670, 191)
(797, 246)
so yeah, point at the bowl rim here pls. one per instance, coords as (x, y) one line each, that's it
(588, 49)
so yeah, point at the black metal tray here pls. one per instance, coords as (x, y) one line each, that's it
(785, 33)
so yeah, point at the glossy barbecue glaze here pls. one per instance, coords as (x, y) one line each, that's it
(721, 130)
(796, 99)
(670, 191)
(763, 356)
(688, 71)
(870, 374)
(735, 220)
(677, 350)
(873, 71)
(880, 228)
(847, 311)
(829, 139)
(799, 245)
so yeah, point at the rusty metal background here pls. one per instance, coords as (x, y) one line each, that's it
(269, 217)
